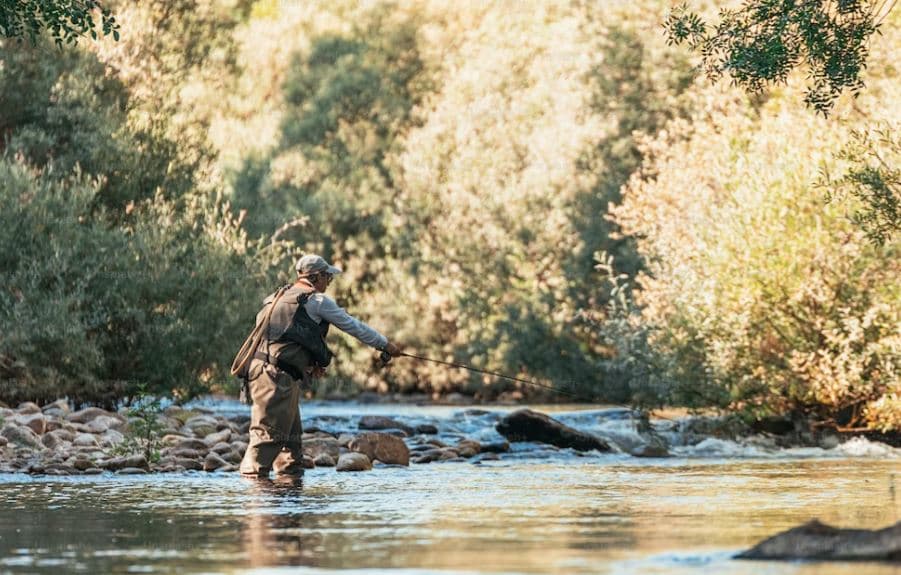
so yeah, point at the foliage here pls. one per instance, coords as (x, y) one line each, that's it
(761, 42)
(145, 426)
(873, 180)
(66, 20)
(752, 287)
(90, 310)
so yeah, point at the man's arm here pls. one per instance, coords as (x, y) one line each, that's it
(326, 309)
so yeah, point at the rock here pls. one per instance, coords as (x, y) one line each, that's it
(426, 429)
(239, 446)
(102, 423)
(92, 471)
(137, 460)
(496, 447)
(468, 448)
(112, 464)
(85, 439)
(62, 434)
(651, 450)
(436, 442)
(82, 464)
(428, 456)
(51, 441)
(4, 441)
(307, 463)
(87, 414)
(213, 462)
(186, 453)
(324, 460)
(818, 541)
(218, 437)
(313, 448)
(353, 462)
(379, 422)
(28, 407)
(186, 463)
(490, 456)
(221, 448)
(344, 439)
(59, 408)
(131, 471)
(111, 438)
(21, 436)
(34, 421)
(195, 444)
(382, 447)
(202, 425)
(170, 439)
(528, 425)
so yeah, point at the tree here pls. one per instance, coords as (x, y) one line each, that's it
(762, 41)
(66, 20)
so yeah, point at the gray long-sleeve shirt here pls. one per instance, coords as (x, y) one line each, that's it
(321, 307)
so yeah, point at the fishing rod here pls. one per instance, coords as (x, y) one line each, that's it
(386, 357)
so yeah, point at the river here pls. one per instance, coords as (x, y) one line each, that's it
(537, 510)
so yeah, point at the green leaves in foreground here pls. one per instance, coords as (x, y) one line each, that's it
(761, 42)
(65, 20)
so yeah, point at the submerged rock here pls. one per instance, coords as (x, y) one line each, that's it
(528, 425)
(815, 540)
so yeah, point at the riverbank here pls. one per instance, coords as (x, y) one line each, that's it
(211, 435)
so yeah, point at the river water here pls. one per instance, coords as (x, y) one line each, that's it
(537, 510)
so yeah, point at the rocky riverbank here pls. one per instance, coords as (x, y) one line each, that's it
(55, 440)
(212, 436)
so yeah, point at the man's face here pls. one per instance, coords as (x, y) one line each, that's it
(321, 281)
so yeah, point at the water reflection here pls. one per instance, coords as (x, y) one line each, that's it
(531, 517)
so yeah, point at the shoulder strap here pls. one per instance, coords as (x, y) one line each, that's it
(245, 354)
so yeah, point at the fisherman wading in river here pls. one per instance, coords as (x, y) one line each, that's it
(287, 348)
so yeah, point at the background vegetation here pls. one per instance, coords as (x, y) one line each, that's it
(553, 193)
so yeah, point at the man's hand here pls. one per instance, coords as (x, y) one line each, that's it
(393, 349)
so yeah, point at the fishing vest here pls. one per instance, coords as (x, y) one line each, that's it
(293, 341)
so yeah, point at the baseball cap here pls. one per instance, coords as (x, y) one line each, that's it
(312, 263)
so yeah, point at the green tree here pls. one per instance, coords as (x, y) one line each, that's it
(762, 41)
(65, 20)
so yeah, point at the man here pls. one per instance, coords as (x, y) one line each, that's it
(287, 356)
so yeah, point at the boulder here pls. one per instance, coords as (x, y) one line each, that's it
(112, 464)
(62, 434)
(51, 441)
(468, 448)
(213, 462)
(4, 441)
(218, 437)
(21, 436)
(87, 414)
(380, 422)
(111, 438)
(131, 471)
(324, 460)
(221, 448)
(496, 447)
(818, 541)
(353, 462)
(59, 408)
(651, 450)
(528, 425)
(34, 421)
(428, 456)
(28, 407)
(195, 444)
(201, 425)
(184, 452)
(344, 439)
(313, 448)
(137, 460)
(101, 423)
(426, 429)
(307, 463)
(382, 447)
(186, 463)
(85, 439)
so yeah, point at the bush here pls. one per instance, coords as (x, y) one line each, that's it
(91, 310)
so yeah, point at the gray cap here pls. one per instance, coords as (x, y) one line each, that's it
(311, 264)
